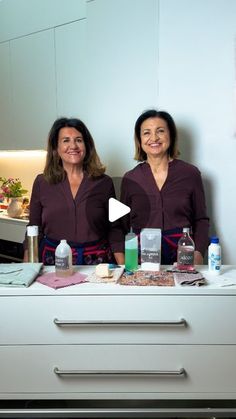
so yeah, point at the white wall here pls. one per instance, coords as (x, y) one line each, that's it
(197, 79)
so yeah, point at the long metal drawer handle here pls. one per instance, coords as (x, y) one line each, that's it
(61, 323)
(108, 412)
(177, 373)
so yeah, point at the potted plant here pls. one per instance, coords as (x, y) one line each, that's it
(12, 189)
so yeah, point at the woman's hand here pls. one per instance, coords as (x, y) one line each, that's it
(120, 258)
(198, 258)
(26, 256)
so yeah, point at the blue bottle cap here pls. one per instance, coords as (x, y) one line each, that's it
(214, 239)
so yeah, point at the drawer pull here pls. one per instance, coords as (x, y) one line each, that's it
(62, 323)
(161, 373)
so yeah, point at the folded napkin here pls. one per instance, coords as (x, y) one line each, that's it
(51, 280)
(227, 278)
(192, 279)
(18, 274)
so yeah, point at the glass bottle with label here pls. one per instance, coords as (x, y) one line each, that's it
(185, 252)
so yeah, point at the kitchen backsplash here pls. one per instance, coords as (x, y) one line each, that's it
(25, 165)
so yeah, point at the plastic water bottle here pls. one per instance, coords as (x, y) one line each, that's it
(131, 252)
(214, 256)
(32, 237)
(63, 259)
(185, 252)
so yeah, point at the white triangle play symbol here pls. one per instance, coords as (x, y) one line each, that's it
(116, 209)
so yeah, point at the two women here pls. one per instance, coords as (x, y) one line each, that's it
(70, 199)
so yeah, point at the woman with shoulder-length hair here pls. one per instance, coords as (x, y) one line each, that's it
(163, 191)
(70, 199)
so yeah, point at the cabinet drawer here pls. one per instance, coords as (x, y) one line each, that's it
(115, 369)
(118, 319)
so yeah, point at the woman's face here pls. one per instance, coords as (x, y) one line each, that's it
(155, 137)
(71, 147)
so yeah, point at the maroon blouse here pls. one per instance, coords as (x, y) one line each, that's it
(80, 220)
(180, 202)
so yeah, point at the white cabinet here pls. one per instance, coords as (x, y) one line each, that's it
(115, 319)
(43, 76)
(34, 89)
(122, 71)
(21, 17)
(5, 95)
(70, 47)
(97, 341)
(154, 371)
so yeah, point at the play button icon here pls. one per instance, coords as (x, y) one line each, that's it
(116, 209)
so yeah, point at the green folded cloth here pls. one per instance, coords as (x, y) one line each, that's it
(18, 274)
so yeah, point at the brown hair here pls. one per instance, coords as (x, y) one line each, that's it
(54, 171)
(173, 151)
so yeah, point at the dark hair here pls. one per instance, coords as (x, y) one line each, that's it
(173, 152)
(54, 171)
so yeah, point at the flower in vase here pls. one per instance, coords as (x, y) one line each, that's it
(11, 188)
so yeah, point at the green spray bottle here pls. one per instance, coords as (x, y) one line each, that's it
(131, 251)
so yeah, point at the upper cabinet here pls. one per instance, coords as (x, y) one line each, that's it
(5, 95)
(33, 89)
(71, 69)
(42, 77)
(122, 62)
(22, 17)
(42, 73)
(76, 58)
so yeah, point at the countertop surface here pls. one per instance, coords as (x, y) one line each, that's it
(224, 284)
(5, 217)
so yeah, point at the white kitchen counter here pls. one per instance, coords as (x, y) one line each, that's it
(12, 229)
(99, 342)
(215, 285)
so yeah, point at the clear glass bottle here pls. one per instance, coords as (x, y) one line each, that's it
(131, 252)
(185, 252)
(32, 236)
(214, 256)
(63, 260)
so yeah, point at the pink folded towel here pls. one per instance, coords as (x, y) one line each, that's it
(51, 280)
